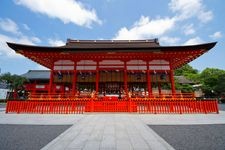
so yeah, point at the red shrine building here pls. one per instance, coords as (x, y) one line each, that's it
(112, 76)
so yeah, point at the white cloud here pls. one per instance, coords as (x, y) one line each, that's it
(26, 27)
(53, 42)
(216, 35)
(169, 40)
(161, 27)
(146, 28)
(65, 10)
(186, 9)
(9, 26)
(189, 29)
(17, 37)
(35, 39)
(205, 16)
(5, 50)
(194, 41)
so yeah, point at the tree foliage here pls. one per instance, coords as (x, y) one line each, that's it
(220, 86)
(185, 88)
(190, 73)
(16, 81)
(185, 70)
(213, 82)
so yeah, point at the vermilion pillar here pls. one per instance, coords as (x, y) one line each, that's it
(74, 81)
(149, 81)
(97, 78)
(50, 81)
(126, 86)
(125, 78)
(172, 81)
(159, 88)
(74, 78)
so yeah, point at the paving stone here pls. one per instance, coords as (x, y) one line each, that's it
(79, 141)
(121, 135)
(138, 142)
(86, 130)
(108, 142)
(96, 135)
(113, 131)
(123, 144)
(109, 130)
(60, 146)
(92, 145)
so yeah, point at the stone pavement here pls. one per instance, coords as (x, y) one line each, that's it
(110, 130)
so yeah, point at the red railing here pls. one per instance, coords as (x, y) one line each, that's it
(72, 96)
(110, 106)
(93, 105)
(47, 107)
(177, 106)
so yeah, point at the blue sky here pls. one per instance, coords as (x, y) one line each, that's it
(51, 22)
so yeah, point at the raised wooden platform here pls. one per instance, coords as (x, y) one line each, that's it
(112, 105)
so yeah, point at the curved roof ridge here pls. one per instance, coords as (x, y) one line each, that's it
(155, 40)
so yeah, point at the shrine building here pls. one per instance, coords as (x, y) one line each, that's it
(112, 76)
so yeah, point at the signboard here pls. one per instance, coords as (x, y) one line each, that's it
(3, 93)
(4, 88)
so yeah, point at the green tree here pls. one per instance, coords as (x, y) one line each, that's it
(213, 82)
(185, 70)
(220, 86)
(190, 73)
(16, 81)
(185, 88)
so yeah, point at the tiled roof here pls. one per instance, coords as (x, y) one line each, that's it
(96, 44)
(37, 74)
(110, 45)
(183, 80)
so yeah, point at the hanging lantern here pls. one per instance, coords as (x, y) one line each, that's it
(138, 75)
(83, 76)
(60, 75)
(162, 76)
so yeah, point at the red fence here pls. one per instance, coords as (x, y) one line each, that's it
(140, 106)
(178, 107)
(47, 107)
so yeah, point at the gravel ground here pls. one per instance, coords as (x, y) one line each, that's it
(2, 105)
(222, 107)
(193, 137)
(27, 137)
